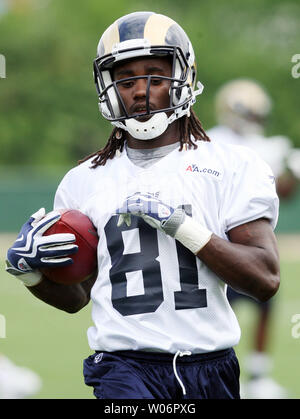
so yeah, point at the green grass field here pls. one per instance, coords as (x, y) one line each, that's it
(54, 343)
(283, 347)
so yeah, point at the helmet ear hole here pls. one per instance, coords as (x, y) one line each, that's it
(180, 94)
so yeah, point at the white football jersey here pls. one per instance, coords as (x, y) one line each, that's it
(152, 293)
(274, 150)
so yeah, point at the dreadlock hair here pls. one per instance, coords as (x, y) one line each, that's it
(188, 125)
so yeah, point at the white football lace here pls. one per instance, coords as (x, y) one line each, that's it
(179, 353)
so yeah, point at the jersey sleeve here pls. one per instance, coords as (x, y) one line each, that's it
(74, 189)
(252, 192)
(64, 198)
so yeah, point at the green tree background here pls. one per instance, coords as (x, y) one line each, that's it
(48, 103)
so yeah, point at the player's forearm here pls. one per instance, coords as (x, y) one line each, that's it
(69, 298)
(248, 269)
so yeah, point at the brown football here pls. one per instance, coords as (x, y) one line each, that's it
(84, 264)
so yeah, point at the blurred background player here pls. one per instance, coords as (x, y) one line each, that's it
(17, 382)
(242, 109)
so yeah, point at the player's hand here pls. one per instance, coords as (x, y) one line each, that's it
(174, 222)
(32, 250)
(155, 212)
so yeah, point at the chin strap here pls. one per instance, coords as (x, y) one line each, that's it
(200, 89)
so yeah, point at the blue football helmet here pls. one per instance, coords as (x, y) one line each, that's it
(145, 34)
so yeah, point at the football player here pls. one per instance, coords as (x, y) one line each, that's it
(179, 218)
(242, 109)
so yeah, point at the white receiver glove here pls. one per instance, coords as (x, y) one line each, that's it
(32, 250)
(173, 222)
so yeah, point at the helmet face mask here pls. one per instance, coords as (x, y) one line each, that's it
(174, 44)
(110, 97)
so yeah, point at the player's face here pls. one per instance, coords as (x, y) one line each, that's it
(133, 92)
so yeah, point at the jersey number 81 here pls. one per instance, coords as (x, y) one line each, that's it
(146, 261)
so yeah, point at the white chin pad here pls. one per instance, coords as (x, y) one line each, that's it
(152, 128)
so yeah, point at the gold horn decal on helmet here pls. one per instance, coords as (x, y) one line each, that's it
(156, 28)
(110, 37)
